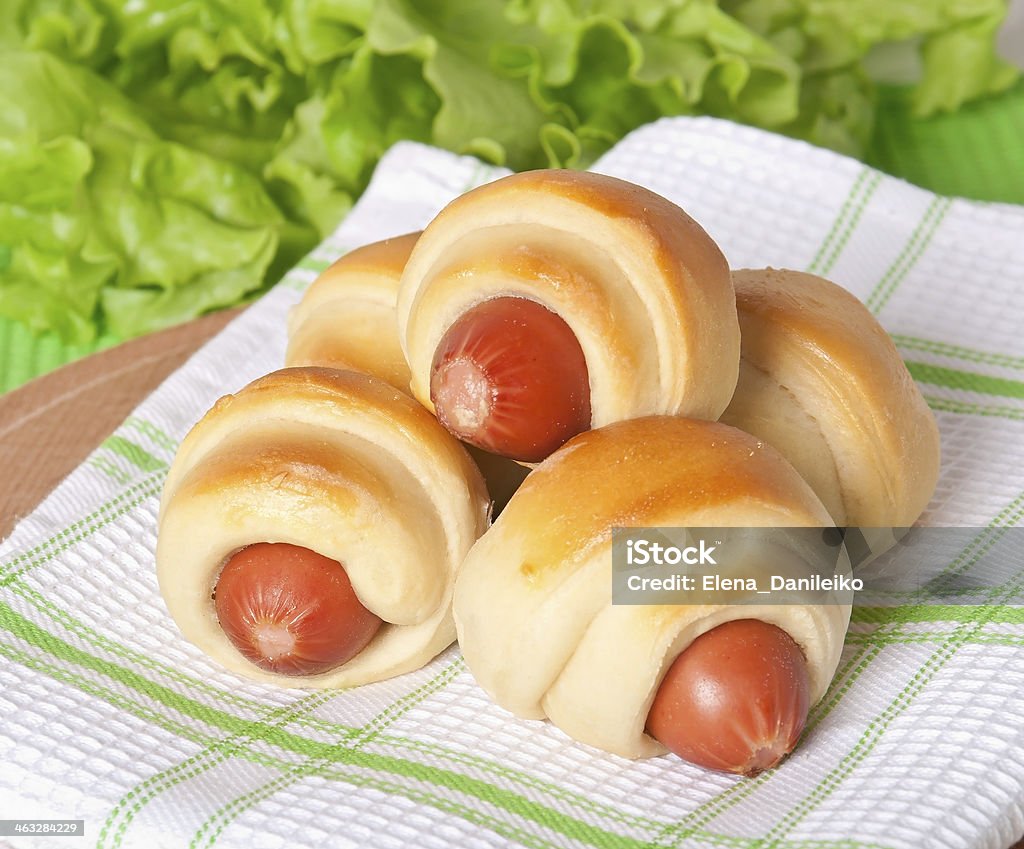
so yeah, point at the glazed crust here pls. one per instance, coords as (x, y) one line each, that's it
(340, 463)
(556, 646)
(822, 382)
(645, 290)
(346, 319)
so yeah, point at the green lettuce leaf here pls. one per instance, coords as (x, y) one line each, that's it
(159, 158)
(105, 225)
(955, 39)
(482, 110)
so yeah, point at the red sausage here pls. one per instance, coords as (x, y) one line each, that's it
(735, 700)
(290, 610)
(510, 377)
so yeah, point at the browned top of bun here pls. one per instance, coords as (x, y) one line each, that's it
(657, 470)
(883, 436)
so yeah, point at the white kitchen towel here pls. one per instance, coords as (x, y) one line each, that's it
(110, 717)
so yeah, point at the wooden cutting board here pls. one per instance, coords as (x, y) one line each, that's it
(52, 423)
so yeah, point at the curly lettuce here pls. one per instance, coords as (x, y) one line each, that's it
(100, 217)
(161, 158)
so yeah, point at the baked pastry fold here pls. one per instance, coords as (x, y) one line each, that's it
(643, 288)
(344, 465)
(533, 602)
(346, 318)
(823, 383)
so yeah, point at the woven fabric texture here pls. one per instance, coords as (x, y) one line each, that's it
(111, 717)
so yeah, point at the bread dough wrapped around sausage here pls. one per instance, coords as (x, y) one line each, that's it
(533, 601)
(823, 383)
(644, 290)
(341, 464)
(346, 319)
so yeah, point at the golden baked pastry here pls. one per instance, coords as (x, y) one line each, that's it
(823, 383)
(533, 601)
(618, 306)
(335, 463)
